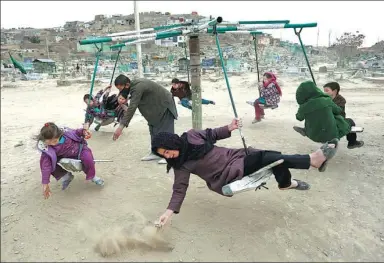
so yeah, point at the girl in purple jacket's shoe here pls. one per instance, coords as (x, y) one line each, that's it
(54, 144)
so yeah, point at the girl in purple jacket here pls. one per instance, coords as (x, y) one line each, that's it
(54, 144)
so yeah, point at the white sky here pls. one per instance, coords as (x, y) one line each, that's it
(338, 16)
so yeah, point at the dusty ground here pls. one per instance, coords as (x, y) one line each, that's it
(339, 219)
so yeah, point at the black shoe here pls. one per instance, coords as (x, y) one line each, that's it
(357, 144)
(300, 130)
(301, 185)
(97, 128)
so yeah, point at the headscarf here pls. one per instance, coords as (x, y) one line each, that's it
(187, 151)
(273, 80)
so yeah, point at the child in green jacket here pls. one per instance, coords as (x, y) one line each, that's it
(323, 119)
(333, 90)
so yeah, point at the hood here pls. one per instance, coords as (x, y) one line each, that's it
(308, 90)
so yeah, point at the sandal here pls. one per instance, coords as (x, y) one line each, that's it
(301, 185)
(328, 153)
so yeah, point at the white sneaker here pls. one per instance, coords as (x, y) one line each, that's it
(162, 161)
(252, 103)
(150, 157)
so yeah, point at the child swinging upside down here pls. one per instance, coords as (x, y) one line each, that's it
(270, 93)
(55, 143)
(182, 90)
(194, 152)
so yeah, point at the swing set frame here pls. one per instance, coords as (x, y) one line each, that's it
(212, 26)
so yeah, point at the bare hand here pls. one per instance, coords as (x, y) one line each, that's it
(235, 124)
(46, 191)
(87, 134)
(165, 217)
(117, 134)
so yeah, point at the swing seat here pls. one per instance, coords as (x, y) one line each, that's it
(70, 165)
(265, 107)
(356, 129)
(250, 182)
(74, 165)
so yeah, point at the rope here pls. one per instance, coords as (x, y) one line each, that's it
(228, 86)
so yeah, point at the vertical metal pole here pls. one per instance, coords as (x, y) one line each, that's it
(114, 68)
(257, 62)
(228, 87)
(305, 54)
(257, 59)
(186, 57)
(138, 45)
(194, 54)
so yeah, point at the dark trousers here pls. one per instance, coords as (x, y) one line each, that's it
(257, 160)
(351, 137)
(166, 124)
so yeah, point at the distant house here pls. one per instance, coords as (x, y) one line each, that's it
(43, 65)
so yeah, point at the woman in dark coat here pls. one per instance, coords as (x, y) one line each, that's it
(194, 152)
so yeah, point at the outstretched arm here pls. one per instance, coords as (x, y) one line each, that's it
(46, 167)
(218, 133)
(136, 95)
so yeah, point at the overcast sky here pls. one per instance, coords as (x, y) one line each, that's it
(337, 16)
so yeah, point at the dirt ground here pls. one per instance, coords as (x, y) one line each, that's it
(339, 219)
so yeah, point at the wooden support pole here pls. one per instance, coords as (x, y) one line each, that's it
(194, 54)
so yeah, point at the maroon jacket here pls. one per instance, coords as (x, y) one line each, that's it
(217, 168)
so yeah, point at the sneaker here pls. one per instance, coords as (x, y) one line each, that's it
(162, 161)
(67, 180)
(252, 103)
(256, 121)
(150, 157)
(300, 130)
(212, 102)
(98, 181)
(357, 144)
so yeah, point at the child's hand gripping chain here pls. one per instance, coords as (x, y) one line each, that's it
(87, 134)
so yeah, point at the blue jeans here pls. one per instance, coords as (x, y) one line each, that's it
(185, 103)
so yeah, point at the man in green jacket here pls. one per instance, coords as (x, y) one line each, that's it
(323, 119)
(155, 103)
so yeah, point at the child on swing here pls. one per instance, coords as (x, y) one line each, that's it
(55, 143)
(182, 90)
(323, 118)
(270, 93)
(101, 107)
(333, 90)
